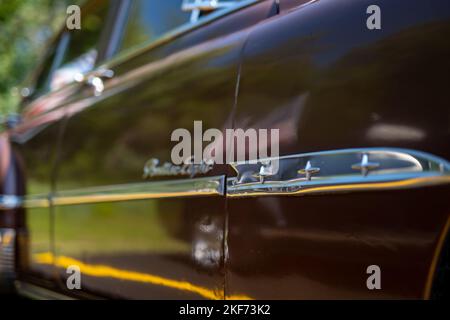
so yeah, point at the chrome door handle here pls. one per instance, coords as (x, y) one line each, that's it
(104, 73)
(95, 79)
(97, 84)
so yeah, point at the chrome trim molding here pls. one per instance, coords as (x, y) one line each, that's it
(10, 202)
(152, 168)
(395, 169)
(17, 202)
(299, 188)
(199, 187)
(36, 201)
(141, 191)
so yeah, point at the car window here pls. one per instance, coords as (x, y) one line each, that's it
(149, 19)
(74, 52)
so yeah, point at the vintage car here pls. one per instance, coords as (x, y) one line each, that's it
(359, 208)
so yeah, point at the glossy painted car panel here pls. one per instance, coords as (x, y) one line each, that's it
(311, 69)
(300, 67)
(324, 89)
(12, 217)
(35, 140)
(166, 249)
(34, 145)
(107, 141)
(11, 183)
(317, 247)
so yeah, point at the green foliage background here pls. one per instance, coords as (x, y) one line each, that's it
(25, 28)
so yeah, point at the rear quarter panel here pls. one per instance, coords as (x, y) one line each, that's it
(327, 82)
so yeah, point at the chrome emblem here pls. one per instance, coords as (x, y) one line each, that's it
(152, 168)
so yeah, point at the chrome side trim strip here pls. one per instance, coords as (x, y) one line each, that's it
(10, 202)
(388, 169)
(299, 188)
(141, 191)
(37, 201)
(199, 187)
(339, 171)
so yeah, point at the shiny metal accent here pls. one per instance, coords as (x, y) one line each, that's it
(141, 191)
(297, 188)
(98, 85)
(365, 166)
(198, 6)
(207, 5)
(104, 73)
(16, 202)
(8, 202)
(189, 168)
(199, 187)
(95, 79)
(266, 170)
(309, 171)
(396, 169)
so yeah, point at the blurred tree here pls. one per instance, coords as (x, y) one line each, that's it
(25, 28)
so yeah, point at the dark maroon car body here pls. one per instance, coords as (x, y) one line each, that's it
(71, 169)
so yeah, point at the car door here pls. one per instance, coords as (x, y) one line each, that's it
(157, 236)
(35, 137)
(363, 179)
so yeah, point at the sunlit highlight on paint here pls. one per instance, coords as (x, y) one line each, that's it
(103, 271)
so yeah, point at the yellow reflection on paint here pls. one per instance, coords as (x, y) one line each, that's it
(110, 272)
(74, 200)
